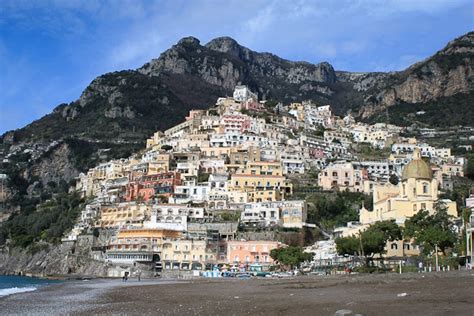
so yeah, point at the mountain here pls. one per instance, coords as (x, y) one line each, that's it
(119, 110)
(440, 85)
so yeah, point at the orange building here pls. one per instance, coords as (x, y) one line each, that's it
(139, 244)
(149, 186)
(251, 252)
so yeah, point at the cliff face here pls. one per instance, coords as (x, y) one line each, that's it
(447, 73)
(54, 166)
(223, 62)
(50, 260)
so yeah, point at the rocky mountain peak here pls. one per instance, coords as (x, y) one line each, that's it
(225, 44)
(461, 45)
(189, 40)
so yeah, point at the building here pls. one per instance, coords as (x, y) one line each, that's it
(264, 214)
(470, 229)
(293, 213)
(342, 176)
(186, 254)
(150, 186)
(416, 191)
(139, 244)
(175, 216)
(117, 215)
(243, 94)
(251, 252)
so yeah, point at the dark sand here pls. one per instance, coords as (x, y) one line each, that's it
(447, 293)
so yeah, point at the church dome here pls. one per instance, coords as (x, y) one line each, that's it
(417, 168)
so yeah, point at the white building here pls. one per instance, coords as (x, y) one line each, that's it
(242, 94)
(260, 214)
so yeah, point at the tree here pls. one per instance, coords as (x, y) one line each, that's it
(348, 245)
(393, 179)
(433, 230)
(290, 256)
(203, 177)
(371, 241)
(470, 167)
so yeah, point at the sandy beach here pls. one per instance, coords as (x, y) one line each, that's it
(427, 294)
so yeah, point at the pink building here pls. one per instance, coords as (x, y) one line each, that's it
(317, 153)
(251, 252)
(237, 122)
(342, 176)
(253, 106)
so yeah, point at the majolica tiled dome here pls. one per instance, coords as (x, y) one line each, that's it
(417, 168)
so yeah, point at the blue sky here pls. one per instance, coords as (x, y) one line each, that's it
(51, 50)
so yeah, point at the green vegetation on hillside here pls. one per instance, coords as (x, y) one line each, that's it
(332, 209)
(85, 155)
(446, 111)
(46, 222)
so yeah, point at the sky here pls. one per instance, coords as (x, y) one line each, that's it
(51, 50)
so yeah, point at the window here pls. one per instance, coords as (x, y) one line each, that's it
(425, 188)
(406, 246)
(394, 246)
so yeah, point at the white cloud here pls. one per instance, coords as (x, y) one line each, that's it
(135, 49)
(389, 7)
(261, 21)
(400, 63)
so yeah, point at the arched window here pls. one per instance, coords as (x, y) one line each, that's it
(425, 188)
(394, 246)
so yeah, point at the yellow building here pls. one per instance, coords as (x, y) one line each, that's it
(262, 181)
(156, 140)
(127, 213)
(417, 190)
(160, 164)
(186, 254)
(139, 244)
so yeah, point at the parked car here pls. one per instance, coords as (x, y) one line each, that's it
(257, 270)
(282, 275)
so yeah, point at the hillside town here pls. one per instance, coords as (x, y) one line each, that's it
(216, 189)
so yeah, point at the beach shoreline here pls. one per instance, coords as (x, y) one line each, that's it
(431, 293)
(69, 297)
